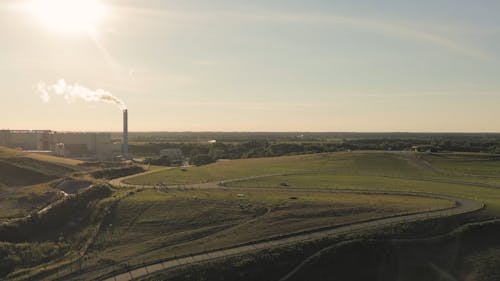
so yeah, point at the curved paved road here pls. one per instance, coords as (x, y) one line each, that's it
(462, 206)
(119, 181)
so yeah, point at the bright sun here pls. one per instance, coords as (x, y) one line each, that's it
(68, 15)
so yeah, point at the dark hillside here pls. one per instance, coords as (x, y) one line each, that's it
(12, 175)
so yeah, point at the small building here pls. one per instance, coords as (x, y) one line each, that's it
(423, 148)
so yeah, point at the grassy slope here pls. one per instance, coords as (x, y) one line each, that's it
(26, 200)
(54, 159)
(24, 181)
(6, 152)
(13, 175)
(150, 225)
(480, 165)
(467, 253)
(70, 226)
(490, 196)
(20, 169)
(358, 170)
(346, 163)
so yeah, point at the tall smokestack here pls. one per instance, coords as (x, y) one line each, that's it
(125, 133)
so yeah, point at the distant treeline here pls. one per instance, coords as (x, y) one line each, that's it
(220, 150)
(293, 136)
(455, 144)
(268, 148)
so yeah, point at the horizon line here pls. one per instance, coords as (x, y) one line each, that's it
(283, 132)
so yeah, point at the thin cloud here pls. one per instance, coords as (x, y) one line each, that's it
(374, 25)
(394, 29)
(338, 100)
(266, 106)
(205, 62)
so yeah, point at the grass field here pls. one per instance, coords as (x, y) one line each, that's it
(469, 253)
(9, 152)
(490, 196)
(468, 164)
(338, 163)
(54, 159)
(460, 174)
(148, 224)
(20, 170)
(151, 224)
(25, 181)
(455, 174)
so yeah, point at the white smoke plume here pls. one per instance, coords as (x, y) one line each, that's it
(76, 91)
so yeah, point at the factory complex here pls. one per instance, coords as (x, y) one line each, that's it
(65, 144)
(85, 145)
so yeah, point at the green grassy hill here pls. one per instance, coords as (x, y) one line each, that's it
(468, 175)
(13, 175)
(25, 182)
(151, 225)
(18, 169)
(339, 163)
(142, 225)
(470, 253)
(457, 186)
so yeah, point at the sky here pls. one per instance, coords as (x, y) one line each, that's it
(260, 65)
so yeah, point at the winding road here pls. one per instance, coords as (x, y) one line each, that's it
(214, 184)
(462, 206)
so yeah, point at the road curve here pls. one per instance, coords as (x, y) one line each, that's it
(120, 182)
(462, 206)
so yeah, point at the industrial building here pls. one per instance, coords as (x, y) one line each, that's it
(27, 140)
(66, 144)
(97, 146)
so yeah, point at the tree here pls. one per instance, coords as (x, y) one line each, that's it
(201, 159)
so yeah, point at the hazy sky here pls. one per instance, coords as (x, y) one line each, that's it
(261, 65)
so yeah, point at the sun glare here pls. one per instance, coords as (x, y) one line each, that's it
(68, 15)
